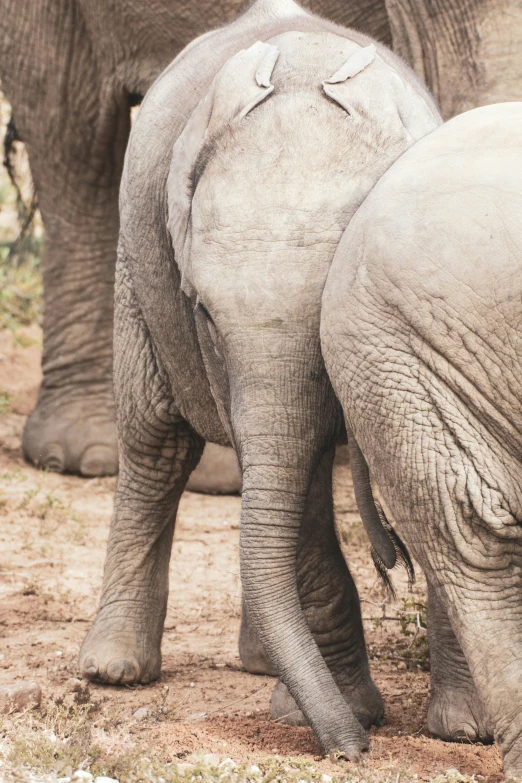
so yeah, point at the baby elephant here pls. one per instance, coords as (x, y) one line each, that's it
(247, 161)
(422, 337)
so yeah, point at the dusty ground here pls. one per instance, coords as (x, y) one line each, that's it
(52, 540)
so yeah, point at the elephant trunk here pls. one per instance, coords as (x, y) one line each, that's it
(284, 415)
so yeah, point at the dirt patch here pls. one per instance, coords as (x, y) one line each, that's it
(52, 543)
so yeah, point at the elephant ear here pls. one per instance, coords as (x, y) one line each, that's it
(241, 84)
(382, 93)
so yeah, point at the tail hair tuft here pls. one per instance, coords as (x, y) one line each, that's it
(402, 554)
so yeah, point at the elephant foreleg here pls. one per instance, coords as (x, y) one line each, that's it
(456, 712)
(73, 116)
(158, 450)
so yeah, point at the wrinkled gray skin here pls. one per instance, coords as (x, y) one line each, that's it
(70, 69)
(421, 333)
(469, 52)
(235, 194)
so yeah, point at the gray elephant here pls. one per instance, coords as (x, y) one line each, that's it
(422, 338)
(247, 160)
(469, 52)
(71, 70)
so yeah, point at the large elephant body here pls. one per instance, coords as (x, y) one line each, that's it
(247, 160)
(71, 68)
(422, 337)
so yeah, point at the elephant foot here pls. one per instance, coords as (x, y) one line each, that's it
(455, 716)
(364, 699)
(73, 435)
(119, 652)
(217, 473)
(251, 651)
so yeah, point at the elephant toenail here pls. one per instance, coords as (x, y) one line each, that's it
(120, 670)
(90, 668)
(53, 458)
(99, 461)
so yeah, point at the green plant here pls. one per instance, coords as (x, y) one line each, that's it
(5, 402)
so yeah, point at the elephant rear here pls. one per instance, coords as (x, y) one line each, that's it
(421, 332)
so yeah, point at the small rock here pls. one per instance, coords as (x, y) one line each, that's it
(74, 685)
(402, 666)
(326, 779)
(80, 690)
(254, 770)
(17, 696)
(210, 759)
(140, 714)
(103, 779)
(83, 776)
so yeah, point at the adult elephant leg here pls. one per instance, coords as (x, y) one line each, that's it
(158, 450)
(455, 712)
(74, 119)
(330, 602)
(464, 51)
(73, 425)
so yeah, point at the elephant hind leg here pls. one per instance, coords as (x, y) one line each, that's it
(158, 451)
(456, 712)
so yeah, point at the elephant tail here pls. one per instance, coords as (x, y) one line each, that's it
(388, 550)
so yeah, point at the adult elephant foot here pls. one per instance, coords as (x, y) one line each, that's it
(455, 713)
(120, 650)
(364, 699)
(458, 716)
(251, 650)
(73, 433)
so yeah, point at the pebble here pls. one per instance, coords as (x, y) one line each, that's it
(83, 775)
(80, 689)
(326, 779)
(140, 714)
(210, 759)
(16, 696)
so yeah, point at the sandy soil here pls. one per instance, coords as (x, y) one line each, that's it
(52, 540)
